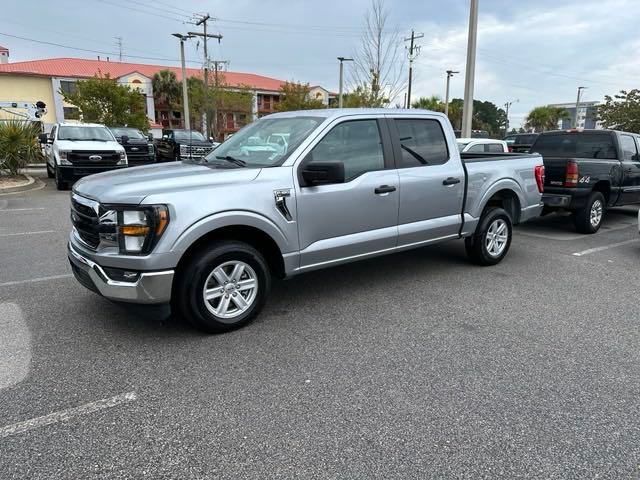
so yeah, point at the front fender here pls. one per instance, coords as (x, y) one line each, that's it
(228, 219)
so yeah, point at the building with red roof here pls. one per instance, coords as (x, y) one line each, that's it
(45, 80)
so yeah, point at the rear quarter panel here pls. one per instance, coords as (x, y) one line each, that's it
(487, 177)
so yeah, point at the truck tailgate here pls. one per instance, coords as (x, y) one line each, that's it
(555, 169)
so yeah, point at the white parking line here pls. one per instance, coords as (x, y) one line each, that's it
(34, 280)
(26, 233)
(20, 209)
(65, 415)
(15, 354)
(605, 247)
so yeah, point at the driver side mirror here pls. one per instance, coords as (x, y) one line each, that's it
(124, 139)
(43, 138)
(150, 137)
(323, 173)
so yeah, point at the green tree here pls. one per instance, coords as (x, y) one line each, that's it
(622, 111)
(433, 103)
(295, 96)
(166, 88)
(102, 100)
(545, 118)
(18, 145)
(363, 97)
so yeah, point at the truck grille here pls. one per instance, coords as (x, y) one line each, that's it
(197, 150)
(95, 157)
(84, 216)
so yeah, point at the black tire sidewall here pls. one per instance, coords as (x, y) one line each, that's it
(196, 273)
(583, 217)
(477, 247)
(60, 185)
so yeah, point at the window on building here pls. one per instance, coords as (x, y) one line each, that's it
(71, 113)
(68, 87)
(267, 102)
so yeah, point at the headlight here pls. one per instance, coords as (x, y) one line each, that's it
(62, 155)
(134, 230)
(151, 148)
(123, 158)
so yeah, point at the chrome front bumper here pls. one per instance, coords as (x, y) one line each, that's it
(149, 287)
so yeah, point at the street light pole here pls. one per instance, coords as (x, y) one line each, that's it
(467, 112)
(342, 59)
(575, 123)
(450, 74)
(185, 94)
(507, 106)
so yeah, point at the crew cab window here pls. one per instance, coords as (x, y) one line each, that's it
(477, 148)
(494, 148)
(628, 146)
(422, 142)
(356, 143)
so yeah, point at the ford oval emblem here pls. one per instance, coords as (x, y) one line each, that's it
(134, 149)
(95, 158)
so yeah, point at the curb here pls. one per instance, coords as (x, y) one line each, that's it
(29, 185)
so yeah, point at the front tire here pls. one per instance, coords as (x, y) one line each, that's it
(223, 287)
(589, 219)
(491, 242)
(60, 185)
(50, 173)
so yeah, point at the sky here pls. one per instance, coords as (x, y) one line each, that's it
(530, 53)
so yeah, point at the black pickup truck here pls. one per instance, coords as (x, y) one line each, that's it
(176, 145)
(520, 142)
(139, 147)
(588, 171)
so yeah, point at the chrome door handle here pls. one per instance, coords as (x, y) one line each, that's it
(382, 189)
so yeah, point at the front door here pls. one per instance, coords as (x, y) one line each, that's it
(48, 148)
(630, 169)
(432, 181)
(358, 217)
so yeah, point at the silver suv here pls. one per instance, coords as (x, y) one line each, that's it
(348, 184)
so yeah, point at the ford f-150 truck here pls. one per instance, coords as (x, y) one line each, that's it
(352, 184)
(588, 171)
(75, 150)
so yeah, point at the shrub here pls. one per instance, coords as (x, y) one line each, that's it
(18, 145)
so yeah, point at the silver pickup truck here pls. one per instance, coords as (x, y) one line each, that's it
(350, 185)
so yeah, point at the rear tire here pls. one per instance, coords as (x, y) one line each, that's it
(589, 219)
(222, 288)
(491, 242)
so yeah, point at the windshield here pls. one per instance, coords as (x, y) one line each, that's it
(266, 142)
(129, 132)
(100, 134)
(182, 135)
(576, 145)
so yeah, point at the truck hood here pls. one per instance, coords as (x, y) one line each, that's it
(86, 145)
(132, 185)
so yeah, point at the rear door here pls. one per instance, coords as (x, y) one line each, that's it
(431, 180)
(631, 169)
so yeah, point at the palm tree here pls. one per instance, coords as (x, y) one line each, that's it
(166, 88)
(545, 118)
(433, 103)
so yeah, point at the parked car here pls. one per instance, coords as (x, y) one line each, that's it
(520, 142)
(75, 150)
(588, 171)
(474, 133)
(209, 236)
(176, 145)
(481, 145)
(139, 147)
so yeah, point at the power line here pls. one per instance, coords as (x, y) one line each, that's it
(159, 15)
(101, 52)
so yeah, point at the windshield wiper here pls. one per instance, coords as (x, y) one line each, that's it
(235, 161)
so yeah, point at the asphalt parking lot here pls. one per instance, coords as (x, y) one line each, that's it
(416, 365)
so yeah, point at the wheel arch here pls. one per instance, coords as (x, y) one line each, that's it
(505, 195)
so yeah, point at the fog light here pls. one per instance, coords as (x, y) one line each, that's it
(120, 275)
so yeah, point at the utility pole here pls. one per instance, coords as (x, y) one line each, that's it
(507, 106)
(467, 112)
(202, 20)
(342, 59)
(185, 93)
(575, 123)
(216, 68)
(450, 73)
(414, 50)
(119, 44)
